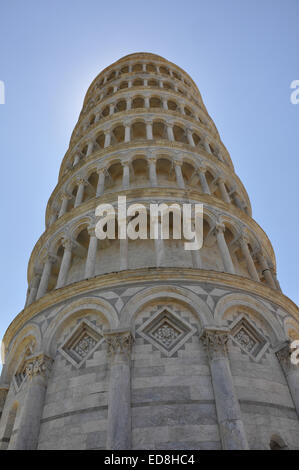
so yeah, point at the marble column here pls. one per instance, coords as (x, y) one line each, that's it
(249, 261)
(76, 159)
(266, 270)
(90, 148)
(223, 190)
(80, 192)
(53, 218)
(149, 130)
(203, 180)
(91, 254)
(101, 182)
(107, 142)
(33, 288)
(146, 102)
(65, 263)
(43, 285)
(127, 131)
(129, 104)
(126, 175)
(64, 202)
(119, 427)
(223, 248)
(231, 427)
(178, 174)
(164, 103)
(152, 171)
(206, 145)
(170, 132)
(291, 371)
(190, 137)
(37, 370)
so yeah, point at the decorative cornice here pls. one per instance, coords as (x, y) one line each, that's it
(127, 277)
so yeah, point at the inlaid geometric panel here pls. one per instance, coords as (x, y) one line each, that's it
(244, 333)
(166, 331)
(81, 343)
(20, 377)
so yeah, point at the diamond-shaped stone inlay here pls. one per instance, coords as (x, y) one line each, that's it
(245, 334)
(166, 334)
(81, 343)
(166, 330)
(244, 338)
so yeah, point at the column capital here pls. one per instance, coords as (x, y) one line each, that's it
(119, 342)
(51, 258)
(177, 162)
(91, 231)
(101, 170)
(202, 169)
(65, 195)
(38, 365)
(283, 354)
(215, 340)
(81, 180)
(219, 227)
(68, 243)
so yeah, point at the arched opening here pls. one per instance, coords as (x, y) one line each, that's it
(105, 111)
(118, 134)
(153, 83)
(164, 70)
(167, 86)
(100, 140)
(109, 91)
(79, 255)
(114, 180)
(123, 85)
(172, 106)
(196, 139)
(165, 173)
(138, 131)
(111, 76)
(140, 176)
(155, 102)
(138, 102)
(90, 189)
(179, 134)
(124, 69)
(137, 68)
(120, 106)
(151, 68)
(138, 82)
(159, 130)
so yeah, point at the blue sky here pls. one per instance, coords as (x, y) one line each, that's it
(243, 55)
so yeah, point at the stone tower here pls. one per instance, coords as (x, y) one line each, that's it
(139, 343)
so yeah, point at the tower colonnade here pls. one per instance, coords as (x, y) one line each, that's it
(141, 344)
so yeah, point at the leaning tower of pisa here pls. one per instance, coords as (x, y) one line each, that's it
(141, 344)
